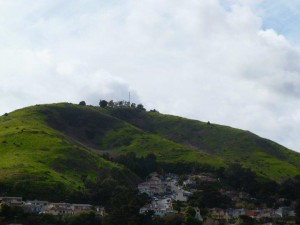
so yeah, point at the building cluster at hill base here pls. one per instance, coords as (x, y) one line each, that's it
(45, 207)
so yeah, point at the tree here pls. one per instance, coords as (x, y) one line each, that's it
(82, 103)
(246, 220)
(111, 104)
(87, 218)
(242, 179)
(297, 211)
(120, 103)
(209, 198)
(10, 212)
(140, 107)
(103, 103)
(50, 219)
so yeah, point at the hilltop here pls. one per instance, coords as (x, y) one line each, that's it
(46, 148)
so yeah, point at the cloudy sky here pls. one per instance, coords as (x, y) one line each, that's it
(233, 62)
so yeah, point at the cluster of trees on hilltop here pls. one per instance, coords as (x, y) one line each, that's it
(118, 104)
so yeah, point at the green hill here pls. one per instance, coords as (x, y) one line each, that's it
(38, 161)
(46, 150)
(263, 156)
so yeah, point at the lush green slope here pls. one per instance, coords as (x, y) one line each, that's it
(38, 161)
(261, 155)
(94, 127)
(48, 149)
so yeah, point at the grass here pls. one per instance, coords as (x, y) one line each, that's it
(48, 147)
(263, 156)
(33, 153)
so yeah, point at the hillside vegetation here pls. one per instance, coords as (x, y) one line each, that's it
(38, 161)
(263, 156)
(47, 149)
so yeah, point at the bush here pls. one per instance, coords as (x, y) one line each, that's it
(82, 103)
(86, 218)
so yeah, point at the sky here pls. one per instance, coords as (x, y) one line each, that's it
(231, 62)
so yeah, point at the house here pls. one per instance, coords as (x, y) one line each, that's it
(285, 212)
(160, 207)
(274, 215)
(173, 184)
(238, 212)
(153, 186)
(198, 215)
(59, 209)
(266, 213)
(80, 207)
(12, 201)
(67, 208)
(36, 206)
(189, 182)
(180, 196)
(206, 177)
(100, 210)
(217, 213)
(255, 214)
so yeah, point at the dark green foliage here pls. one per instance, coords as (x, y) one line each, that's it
(108, 184)
(82, 103)
(83, 124)
(177, 205)
(140, 166)
(11, 212)
(50, 219)
(168, 220)
(173, 220)
(263, 156)
(242, 179)
(124, 208)
(190, 211)
(140, 107)
(189, 220)
(297, 211)
(185, 167)
(245, 180)
(86, 218)
(246, 220)
(103, 103)
(210, 198)
(290, 188)
(54, 152)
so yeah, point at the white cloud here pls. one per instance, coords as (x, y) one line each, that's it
(191, 58)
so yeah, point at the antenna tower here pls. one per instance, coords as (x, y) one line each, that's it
(129, 98)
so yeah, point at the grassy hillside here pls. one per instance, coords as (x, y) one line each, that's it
(46, 150)
(261, 155)
(94, 127)
(38, 161)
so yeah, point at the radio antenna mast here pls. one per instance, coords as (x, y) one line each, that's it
(129, 98)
